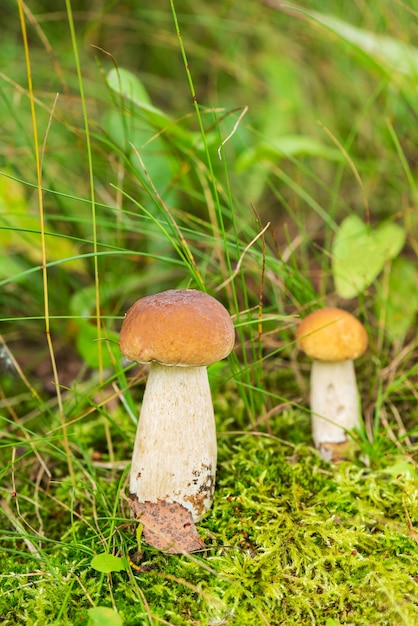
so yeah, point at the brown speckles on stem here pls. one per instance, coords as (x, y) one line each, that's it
(205, 483)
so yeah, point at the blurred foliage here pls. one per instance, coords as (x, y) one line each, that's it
(300, 125)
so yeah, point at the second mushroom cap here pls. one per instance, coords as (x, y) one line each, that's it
(332, 334)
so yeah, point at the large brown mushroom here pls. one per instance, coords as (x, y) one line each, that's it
(179, 332)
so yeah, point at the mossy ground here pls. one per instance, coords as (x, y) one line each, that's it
(290, 539)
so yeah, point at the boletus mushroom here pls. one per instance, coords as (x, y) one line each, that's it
(333, 338)
(179, 332)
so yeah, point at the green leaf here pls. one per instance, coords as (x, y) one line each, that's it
(140, 141)
(286, 146)
(391, 54)
(131, 91)
(135, 128)
(128, 86)
(10, 265)
(138, 534)
(400, 300)
(359, 253)
(20, 229)
(401, 467)
(103, 616)
(107, 563)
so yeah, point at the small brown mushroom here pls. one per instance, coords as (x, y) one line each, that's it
(333, 338)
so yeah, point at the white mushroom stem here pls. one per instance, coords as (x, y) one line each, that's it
(334, 401)
(175, 450)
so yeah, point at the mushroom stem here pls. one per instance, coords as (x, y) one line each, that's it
(334, 401)
(175, 449)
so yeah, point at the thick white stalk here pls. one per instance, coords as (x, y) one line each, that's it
(334, 401)
(175, 450)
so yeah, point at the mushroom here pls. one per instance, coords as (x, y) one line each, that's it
(179, 332)
(333, 338)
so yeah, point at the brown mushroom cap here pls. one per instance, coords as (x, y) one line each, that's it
(177, 327)
(332, 335)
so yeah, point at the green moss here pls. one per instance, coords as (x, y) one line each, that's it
(315, 542)
(291, 540)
